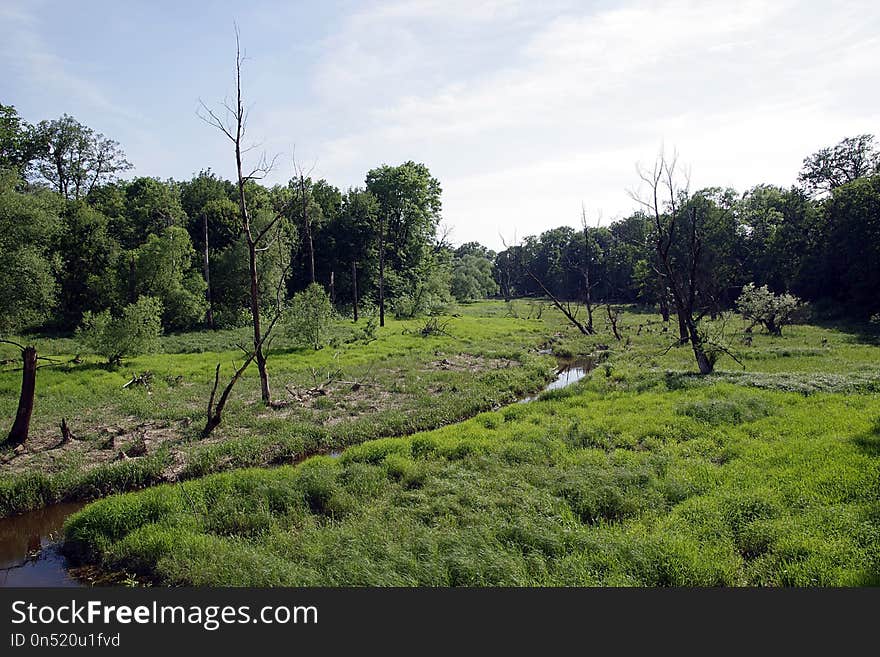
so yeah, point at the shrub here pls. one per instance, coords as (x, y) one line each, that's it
(134, 332)
(310, 316)
(760, 306)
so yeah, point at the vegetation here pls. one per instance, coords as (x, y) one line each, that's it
(393, 383)
(136, 331)
(760, 306)
(760, 469)
(642, 474)
(310, 317)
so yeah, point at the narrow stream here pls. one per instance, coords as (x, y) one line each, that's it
(569, 371)
(29, 542)
(29, 547)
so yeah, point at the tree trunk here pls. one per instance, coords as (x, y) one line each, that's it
(683, 333)
(332, 288)
(382, 273)
(307, 225)
(209, 315)
(664, 303)
(265, 393)
(21, 426)
(588, 300)
(565, 311)
(354, 288)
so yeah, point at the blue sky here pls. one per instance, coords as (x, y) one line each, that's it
(522, 109)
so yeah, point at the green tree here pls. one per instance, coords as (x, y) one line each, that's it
(851, 259)
(163, 268)
(28, 226)
(760, 306)
(310, 316)
(74, 158)
(833, 166)
(19, 145)
(409, 211)
(135, 331)
(472, 278)
(87, 263)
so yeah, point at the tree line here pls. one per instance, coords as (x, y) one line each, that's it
(75, 239)
(818, 239)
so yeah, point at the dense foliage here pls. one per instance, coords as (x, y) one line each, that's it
(135, 331)
(77, 239)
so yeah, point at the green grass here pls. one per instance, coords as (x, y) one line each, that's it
(641, 474)
(406, 387)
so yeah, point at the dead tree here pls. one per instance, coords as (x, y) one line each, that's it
(613, 313)
(233, 126)
(215, 410)
(679, 275)
(206, 267)
(504, 263)
(586, 269)
(301, 178)
(565, 308)
(354, 289)
(21, 426)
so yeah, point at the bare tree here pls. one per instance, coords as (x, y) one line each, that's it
(215, 410)
(504, 263)
(233, 124)
(21, 426)
(680, 276)
(586, 268)
(301, 177)
(569, 310)
(206, 267)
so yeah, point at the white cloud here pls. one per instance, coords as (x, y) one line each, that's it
(745, 90)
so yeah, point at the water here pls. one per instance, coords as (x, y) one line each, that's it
(29, 542)
(29, 548)
(569, 370)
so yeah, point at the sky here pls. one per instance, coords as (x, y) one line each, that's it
(525, 111)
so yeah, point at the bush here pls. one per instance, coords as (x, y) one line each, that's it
(134, 332)
(310, 316)
(760, 306)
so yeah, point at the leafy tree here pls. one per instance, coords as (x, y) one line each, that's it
(472, 278)
(74, 158)
(760, 306)
(831, 167)
(213, 222)
(28, 226)
(474, 248)
(136, 331)
(163, 268)
(87, 263)
(851, 259)
(409, 211)
(310, 316)
(18, 143)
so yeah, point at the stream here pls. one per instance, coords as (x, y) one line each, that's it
(30, 542)
(29, 547)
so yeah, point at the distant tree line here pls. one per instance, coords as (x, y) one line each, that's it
(819, 240)
(77, 239)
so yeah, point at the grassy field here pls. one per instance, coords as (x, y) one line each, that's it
(641, 474)
(397, 384)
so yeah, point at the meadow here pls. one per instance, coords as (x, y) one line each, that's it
(355, 389)
(763, 473)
